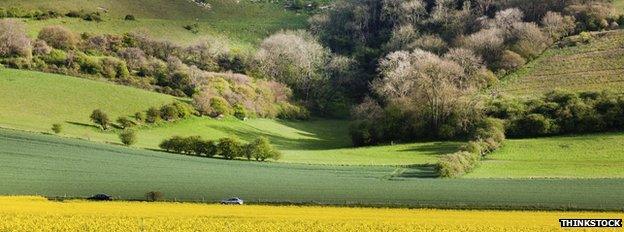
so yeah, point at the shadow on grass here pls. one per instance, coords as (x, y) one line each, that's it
(320, 135)
(417, 171)
(436, 148)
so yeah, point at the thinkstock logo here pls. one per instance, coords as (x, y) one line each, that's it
(590, 222)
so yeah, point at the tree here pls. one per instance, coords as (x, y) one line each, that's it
(57, 128)
(294, 58)
(487, 43)
(100, 118)
(261, 149)
(128, 137)
(428, 85)
(169, 112)
(229, 148)
(13, 39)
(556, 25)
(58, 37)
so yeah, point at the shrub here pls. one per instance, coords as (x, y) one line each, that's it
(184, 110)
(113, 68)
(128, 137)
(532, 125)
(58, 37)
(125, 122)
(194, 28)
(154, 196)
(205, 147)
(93, 16)
(139, 117)
(457, 164)
(219, 106)
(56, 57)
(41, 48)
(74, 14)
(260, 150)
(240, 112)
(152, 115)
(229, 148)
(88, 64)
(169, 112)
(130, 17)
(510, 61)
(292, 112)
(100, 118)
(173, 144)
(57, 128)
(13, 39)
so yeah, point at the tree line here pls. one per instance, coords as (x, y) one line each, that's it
(228, 148)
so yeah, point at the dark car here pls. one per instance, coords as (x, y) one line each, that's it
(100, 197)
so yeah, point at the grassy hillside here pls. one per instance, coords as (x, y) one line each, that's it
(598, 65)
(619, 6)
(586, 156)
(34, 101)
(52, 166)
(242, 22)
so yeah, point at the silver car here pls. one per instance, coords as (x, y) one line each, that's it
(232, 201)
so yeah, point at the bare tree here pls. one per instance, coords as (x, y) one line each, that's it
(294, 58)
(556, 25)
(430, 84)
(13, 39)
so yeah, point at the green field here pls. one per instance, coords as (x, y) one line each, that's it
(243, 23)
(586, 156)
(52, 166)
(596, 66)
(34, 101)
(619, 6)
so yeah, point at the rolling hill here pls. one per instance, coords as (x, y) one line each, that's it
(242, 23)
(34, 101)
(52, 166)
(595, 66)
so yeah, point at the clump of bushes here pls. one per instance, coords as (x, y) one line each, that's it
(560, 112)
(137, 60)
(228, 148)
(57, 128)
(194, 28)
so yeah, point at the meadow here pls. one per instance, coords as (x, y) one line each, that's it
(33, 101)
(595, 66)
(243, 23)
(575, 156)
(30, 213)
(35, 164)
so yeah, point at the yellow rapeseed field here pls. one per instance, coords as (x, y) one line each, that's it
(20, 213)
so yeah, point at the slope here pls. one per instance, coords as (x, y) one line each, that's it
(576, 156)
(595, 66)
(34, 101)
(244, 23)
